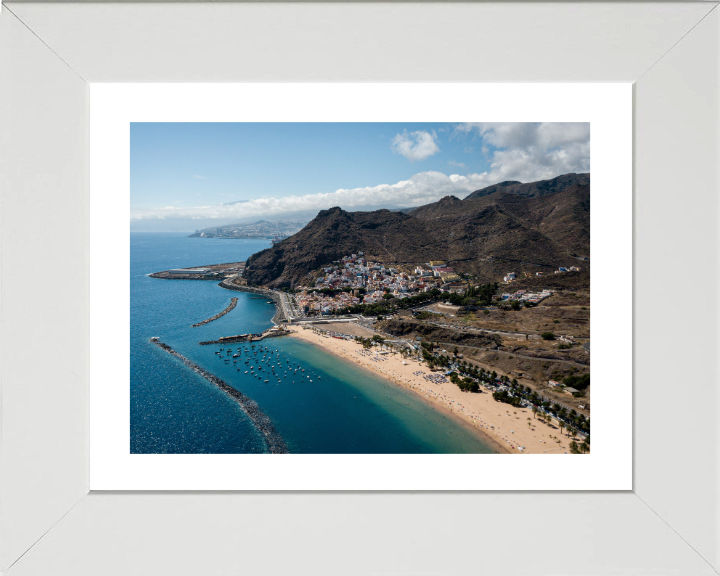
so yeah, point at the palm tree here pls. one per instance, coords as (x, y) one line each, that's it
(534, 410)
(561, 424)
(584, 447)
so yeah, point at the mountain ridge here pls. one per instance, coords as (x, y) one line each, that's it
(539, 188)
(486, 235)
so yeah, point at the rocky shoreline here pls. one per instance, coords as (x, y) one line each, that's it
(233, 303)
(275, 442)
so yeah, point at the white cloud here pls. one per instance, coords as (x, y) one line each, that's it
(534, 151)
(419, 189)
(415, 145)
(456, 164)
(199, 177)
(422, 188)
(524, 152)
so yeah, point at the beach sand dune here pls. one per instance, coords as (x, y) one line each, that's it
(500, 426)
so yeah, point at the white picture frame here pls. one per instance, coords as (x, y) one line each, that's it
(668, 523)
(606, 107)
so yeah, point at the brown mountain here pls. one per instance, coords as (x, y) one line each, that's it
(487, 236)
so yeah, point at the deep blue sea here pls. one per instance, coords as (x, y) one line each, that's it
(174, 410)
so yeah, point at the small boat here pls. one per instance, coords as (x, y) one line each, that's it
(266, 381)
(245, 371)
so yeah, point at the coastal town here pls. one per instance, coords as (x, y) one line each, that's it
(275, 231)
(353, 280)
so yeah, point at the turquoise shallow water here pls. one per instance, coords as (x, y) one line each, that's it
(174, 410)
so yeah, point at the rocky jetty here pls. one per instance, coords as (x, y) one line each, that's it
(275, 443)
(233, 303)
(274, 296)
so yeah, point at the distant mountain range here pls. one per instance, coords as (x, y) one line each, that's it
(259, 229)
(510, 226)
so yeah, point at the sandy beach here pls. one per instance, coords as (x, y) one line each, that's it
(501, 427)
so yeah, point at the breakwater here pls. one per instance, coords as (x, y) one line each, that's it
(275, 442)
(279, 314)
(233, 303)
(271, 333)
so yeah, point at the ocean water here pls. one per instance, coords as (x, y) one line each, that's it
(344, 409)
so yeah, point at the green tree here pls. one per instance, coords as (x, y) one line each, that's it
(577, 382)
(547, 336)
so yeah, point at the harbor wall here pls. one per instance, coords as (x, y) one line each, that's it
(245, 337)
(233, 303)
(275, 442)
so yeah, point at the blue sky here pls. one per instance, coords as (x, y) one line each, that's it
(187, 171)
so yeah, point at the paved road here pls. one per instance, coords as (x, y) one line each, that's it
(289, 306)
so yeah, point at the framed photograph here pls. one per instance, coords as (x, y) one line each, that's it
(342, 360)
(259, 269)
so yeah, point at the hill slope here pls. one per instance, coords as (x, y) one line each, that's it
(487, 236)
